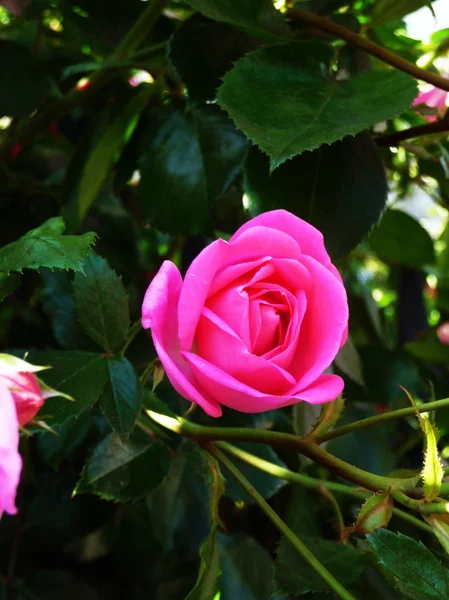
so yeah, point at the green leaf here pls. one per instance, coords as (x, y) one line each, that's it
(246, 569)
(102, 304)
(103, 156)
(294, 576)
(25, 80)
(81, 375)
(8, 284)
(265, 484)
(349, 362)
(124, 471)
(411, 563)
(257, 17)
(383, 11)
(431, 352)
(121, 399)
(329, 416)
(324, 188)
(202, 51)
(311, 108)
(400, 239)
(188, 160)
(46, 247)
(375, 512)
(432, 473)
(207, 583)
(54, 448)
(57, 302)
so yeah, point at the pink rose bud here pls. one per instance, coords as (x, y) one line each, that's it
(10, 461)
(433, 98)
(443, 333)
(21, 397)
(256, 320)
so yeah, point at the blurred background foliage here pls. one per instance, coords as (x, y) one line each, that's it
(109, 118)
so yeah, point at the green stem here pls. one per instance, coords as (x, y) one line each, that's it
(440, 507)
(147, 372)
(274, 438)
(329, 496)
(310, 559)
(383, 418)
(308, 18)
(53, 111)
(311, 482)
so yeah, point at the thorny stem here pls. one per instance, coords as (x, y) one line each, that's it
(409, 411)
(308, 18)
(393, 139)
(283, 528)
(311, 482)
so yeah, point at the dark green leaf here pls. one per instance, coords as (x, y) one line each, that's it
(82, 375)
(121, 399)
(8, 284)
(58, 304)
(311, 109)
(25, 80)
(201, 52)
(102, 304)
(188, 160)
(247, 570)
(258, 17)
(181, 505)
(294, 576)
(340, 189)
(46, 247)
(411, 563)
(432, 352)
(207, 583)
(102, 157)
(400, 239)
(265, 484)
(383, 11)
(54, 448)
(124, 471)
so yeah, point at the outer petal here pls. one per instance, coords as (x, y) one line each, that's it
(26, 393)
(252, 244)
(238, 396)
(10, 461)
(323, 326)
(308, 237)
(159, 312)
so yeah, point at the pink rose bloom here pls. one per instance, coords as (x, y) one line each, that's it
(256, 320)
(20, 399)
(434, 98)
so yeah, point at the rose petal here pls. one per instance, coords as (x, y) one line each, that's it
(250, 245)
(10, 461)
(238, 396)
(219, 345)
(26, 393)
(159, 312)
(323, 325)
(310, 239)
(324, 389)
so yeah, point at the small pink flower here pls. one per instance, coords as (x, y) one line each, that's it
(10, 461)
(255, 322)
(433, 98)
(21, 397)
(443, 333)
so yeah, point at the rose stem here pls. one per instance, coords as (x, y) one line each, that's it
(311, 482)
(383, 418)
(310, 559)
(275, 438)
(307, 18)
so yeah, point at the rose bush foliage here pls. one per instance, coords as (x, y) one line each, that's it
(224, 241)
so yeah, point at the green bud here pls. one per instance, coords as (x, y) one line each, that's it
(375, 513)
